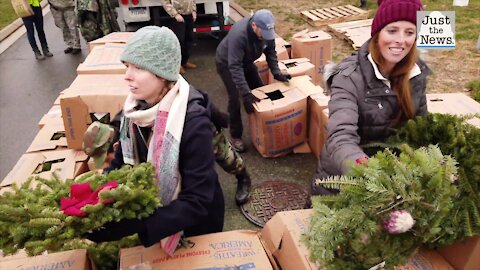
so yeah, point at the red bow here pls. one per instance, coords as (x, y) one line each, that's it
(362, 160)
(81, 195)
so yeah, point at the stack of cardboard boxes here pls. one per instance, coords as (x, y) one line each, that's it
(282, 119)
(97, 93)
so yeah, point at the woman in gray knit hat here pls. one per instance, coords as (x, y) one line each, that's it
(166, 122)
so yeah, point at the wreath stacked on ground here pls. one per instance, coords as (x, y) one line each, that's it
(386, 209)
(391, 206)
(31, 218)
(455, 137)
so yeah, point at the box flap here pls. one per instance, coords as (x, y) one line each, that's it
(306, 86)
(314, 36)
(276, 95)
(114, 37)
(50, 137)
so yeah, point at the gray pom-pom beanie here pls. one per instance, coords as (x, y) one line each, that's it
(155, 49)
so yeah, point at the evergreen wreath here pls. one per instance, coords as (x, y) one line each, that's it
(386, 209)
(30, 215)
(460, 140)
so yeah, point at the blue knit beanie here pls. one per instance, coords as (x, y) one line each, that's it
(155, 49)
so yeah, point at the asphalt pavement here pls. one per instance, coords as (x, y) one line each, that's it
(29, 87)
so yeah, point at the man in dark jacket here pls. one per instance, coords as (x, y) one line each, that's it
(245, 43)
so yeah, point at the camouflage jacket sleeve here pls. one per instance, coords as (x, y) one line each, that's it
(174, 7)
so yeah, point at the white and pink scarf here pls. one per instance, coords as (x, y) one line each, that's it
(167, 118)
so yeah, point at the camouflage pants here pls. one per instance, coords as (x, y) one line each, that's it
(230, 161)
(66, 20)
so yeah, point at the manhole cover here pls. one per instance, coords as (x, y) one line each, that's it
(274, 196)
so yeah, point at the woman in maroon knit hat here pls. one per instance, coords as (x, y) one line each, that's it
(374, 91)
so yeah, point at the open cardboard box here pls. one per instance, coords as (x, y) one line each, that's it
(66, 260)
(103, 59)
(66, 164)
(279, 121)
(91, 98)
(282, 234)
(114, 37)
(240, 249)
(295, 67)
(50, 137)
(316, 46)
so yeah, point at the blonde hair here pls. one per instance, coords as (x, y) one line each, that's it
(399, 79)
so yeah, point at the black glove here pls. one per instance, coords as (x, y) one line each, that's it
(282, 77)
(248, 100)
(219, 118)
(113, 231)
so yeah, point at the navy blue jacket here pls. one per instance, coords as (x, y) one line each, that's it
(199, 208)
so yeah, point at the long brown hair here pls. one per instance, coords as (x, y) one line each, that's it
(399, 78)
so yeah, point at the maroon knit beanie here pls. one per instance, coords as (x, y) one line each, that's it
(395, 10)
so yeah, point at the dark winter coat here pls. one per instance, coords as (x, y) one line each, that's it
(362, 109)
(239, 50)
(199, 208)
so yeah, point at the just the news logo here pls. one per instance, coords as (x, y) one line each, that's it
(436, 29)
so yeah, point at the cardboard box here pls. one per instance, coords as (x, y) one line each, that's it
(114, 37)
(66, 164)
(282, 238)
(452, 103)
(316, 46)
(50, 137)
(279, 122)
(67, 260)
(261, 62)
(295, 67)
(103, 59)
(317, 122)
(226, 250)
(91, 98)
(464, 255)
(52, 117)
(426, 260)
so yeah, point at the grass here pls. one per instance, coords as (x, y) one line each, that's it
(8, 14)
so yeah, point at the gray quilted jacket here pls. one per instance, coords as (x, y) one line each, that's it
(361, 110)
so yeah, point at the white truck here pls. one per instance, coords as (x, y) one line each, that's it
(212, 15)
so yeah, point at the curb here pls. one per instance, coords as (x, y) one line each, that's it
(9, 29)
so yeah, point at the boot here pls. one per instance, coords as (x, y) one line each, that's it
(363, 3)
(47, 53)
(244, 184)
(38, 55)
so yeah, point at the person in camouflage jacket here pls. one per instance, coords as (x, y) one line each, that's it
(96, 18)
(63, 12)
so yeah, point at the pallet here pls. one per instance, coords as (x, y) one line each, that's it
(356, 32)
(324, 16)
